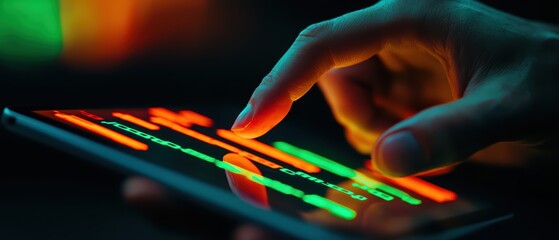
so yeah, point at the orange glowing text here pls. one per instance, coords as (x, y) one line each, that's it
(105, 132)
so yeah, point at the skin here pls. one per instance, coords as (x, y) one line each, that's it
(420, 85)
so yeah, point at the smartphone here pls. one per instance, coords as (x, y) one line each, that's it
(294, 180)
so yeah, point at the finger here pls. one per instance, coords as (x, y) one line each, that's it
(362, 142)
(173, 213)
(152, 200)
(450, 133)
(349, 93)
(340, 42)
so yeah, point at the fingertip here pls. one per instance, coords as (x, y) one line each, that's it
(399, 154)
(251, 132)
(248, 133)
(265, 110)
(243, 125)
(243, 120)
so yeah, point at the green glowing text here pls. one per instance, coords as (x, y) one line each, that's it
(343, 171)
(318, 201)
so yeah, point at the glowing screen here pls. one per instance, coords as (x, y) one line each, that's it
(274, 172)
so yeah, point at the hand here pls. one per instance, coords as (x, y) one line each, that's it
(168, 212)
(423, 84)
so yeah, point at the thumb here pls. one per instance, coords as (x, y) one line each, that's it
(449, 133)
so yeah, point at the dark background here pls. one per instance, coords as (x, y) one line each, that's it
(48, 195)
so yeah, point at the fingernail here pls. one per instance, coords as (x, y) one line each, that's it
(399, 155)
(244, 118)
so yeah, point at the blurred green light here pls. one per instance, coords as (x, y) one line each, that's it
(30, 31)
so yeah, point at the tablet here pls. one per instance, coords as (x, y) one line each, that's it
(293, 180)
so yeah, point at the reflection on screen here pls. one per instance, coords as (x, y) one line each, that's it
(274, 175)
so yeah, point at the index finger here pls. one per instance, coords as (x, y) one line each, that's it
(339, 42)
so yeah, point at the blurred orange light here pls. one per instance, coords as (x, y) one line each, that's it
(197, 118)
(97, 32)
(170, 115)
(104, 33)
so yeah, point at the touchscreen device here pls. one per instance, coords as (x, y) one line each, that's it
(290, 180)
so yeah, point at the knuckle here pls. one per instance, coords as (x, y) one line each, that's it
(315, 41)
(268, 79)
(314, 37)
(267, 82)
(315, 30)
